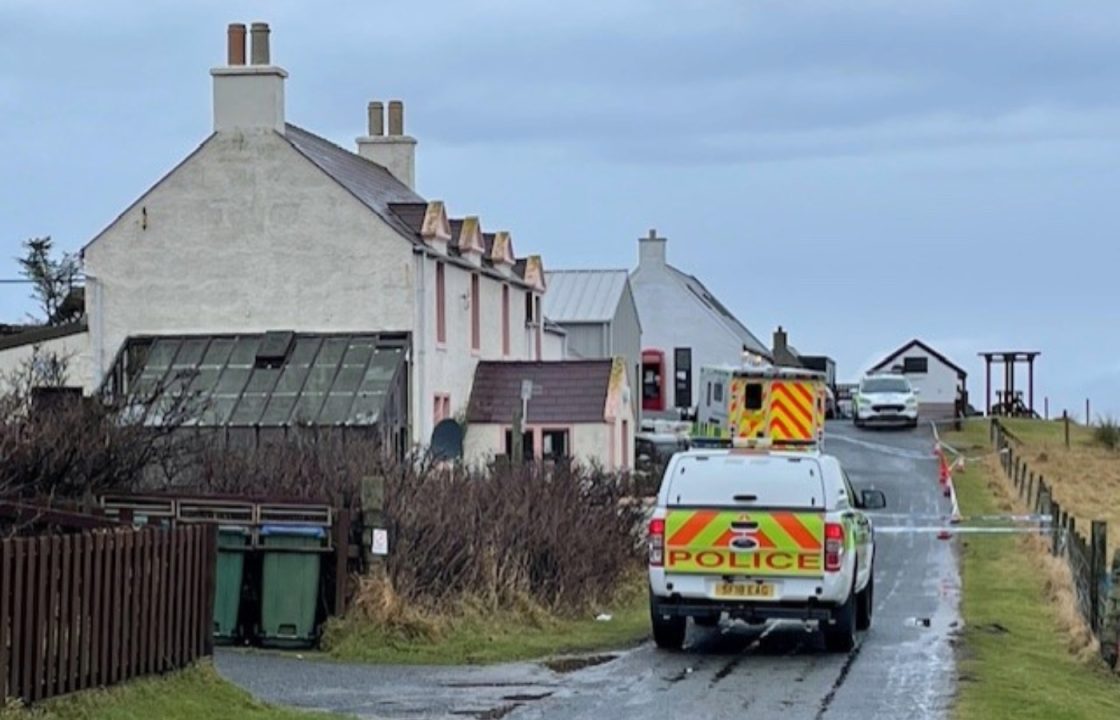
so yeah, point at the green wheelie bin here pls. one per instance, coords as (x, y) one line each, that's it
(290, 584)
(233, 542)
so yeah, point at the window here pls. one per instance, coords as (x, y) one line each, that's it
(554, 444)
(441, 407)
(915, 365)
(870, 386)
(505, 319)
(528, 307)
(476, 316)
(441, 305)
(526, 439)
(625, 444)
(718, 392)
(682, 377)
(753, 399)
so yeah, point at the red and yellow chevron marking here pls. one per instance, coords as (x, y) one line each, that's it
(784, 543)
(793, 413)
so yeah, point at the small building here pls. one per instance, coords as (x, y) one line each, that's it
(684, 328)
(596, 310)
(579, 409)
(68, 343)
(941, 383)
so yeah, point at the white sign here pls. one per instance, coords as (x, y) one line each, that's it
(380, 542)
(526, 389)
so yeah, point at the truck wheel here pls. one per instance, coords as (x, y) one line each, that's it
(864, 604)
(840, 634)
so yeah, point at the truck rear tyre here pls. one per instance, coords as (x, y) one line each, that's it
(840, 634)
(865, 604)
(668, 632)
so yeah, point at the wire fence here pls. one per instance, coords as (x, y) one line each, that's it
(1086, 556)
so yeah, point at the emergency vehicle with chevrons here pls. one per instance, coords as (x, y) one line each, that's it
(758, 401)
(761, 529)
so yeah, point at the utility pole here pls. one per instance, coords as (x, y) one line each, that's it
(519, 416)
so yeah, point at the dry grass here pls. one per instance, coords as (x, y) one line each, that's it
(1056, 576)
(1085, 477)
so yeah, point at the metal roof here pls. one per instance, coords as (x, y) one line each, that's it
(590, 296)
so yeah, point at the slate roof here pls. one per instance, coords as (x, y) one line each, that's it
(584, 296)
(564, 392)
(705, 296)
(370, 183)
(31, 335)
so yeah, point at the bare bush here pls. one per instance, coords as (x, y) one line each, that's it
(561, 536)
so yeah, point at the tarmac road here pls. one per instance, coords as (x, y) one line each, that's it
(902, 668)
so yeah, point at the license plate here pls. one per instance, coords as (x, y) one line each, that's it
(744, 590)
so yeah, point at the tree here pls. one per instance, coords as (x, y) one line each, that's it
(54, 280)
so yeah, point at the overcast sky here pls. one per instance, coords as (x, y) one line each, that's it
(861, 172)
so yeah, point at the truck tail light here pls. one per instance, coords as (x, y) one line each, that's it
(657, 542)
(833, 546)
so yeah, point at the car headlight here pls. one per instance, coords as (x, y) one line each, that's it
(912, 401)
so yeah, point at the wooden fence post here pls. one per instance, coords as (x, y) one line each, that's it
(1098, 552)
(1055, 526)
(1065, 421)
(373, 505)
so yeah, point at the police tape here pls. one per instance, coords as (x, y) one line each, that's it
(950, 530)
(935, 517)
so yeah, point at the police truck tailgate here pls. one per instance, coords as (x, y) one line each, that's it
(746, 515)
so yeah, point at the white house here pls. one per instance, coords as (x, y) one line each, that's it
(579, 409)
(69, 342)
(684, 327)
(596, 310)
(940, 382)
(267, 227)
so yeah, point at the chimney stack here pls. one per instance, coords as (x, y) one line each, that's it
(781, 342)
(395, 151)
(651, 250)
(235, 42)
(248, 97)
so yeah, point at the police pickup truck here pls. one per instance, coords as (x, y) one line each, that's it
(758, 536)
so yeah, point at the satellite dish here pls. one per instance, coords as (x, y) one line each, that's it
(447, 440)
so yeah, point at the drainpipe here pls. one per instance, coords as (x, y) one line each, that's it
(419, 345)
(94, 317)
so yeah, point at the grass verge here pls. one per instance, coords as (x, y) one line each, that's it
(197, 692)
(1016, 658)
(478, 637)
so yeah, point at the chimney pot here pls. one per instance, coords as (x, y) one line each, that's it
(376, 119)
(396, 117)
(235, 44)
(260, 49)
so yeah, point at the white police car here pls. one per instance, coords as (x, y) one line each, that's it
(885, 400)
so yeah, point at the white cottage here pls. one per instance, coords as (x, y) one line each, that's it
(270, 234)
(684, 328)
(941, 383)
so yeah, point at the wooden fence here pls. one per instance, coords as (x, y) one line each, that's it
(1086, 556)
(96, 608)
